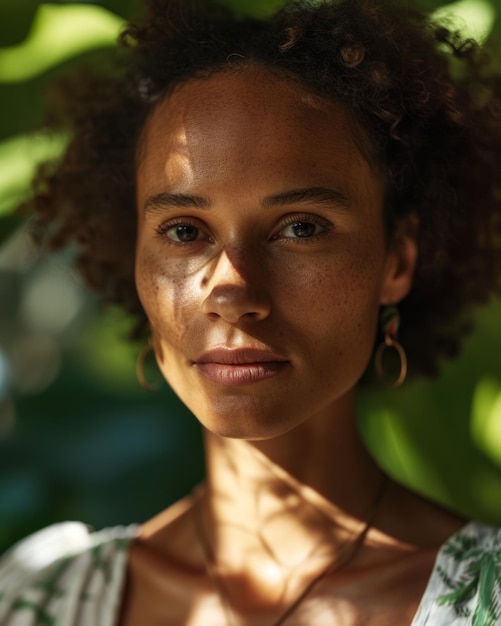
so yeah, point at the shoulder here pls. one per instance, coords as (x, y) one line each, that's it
(62, 570)
(465, 585)
(171, 533)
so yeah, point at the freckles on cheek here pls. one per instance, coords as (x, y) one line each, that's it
(165, 299)
(341, 295)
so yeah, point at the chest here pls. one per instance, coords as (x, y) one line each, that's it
(372, 596)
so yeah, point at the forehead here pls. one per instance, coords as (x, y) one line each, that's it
(253, 123)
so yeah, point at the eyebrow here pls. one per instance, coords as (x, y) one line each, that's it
(175, 201)
(321, 195)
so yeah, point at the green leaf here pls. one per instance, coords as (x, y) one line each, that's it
(461, 594)
(58, 33)
(15, 20)
(484, 613)
(42, 617)
(19, 158)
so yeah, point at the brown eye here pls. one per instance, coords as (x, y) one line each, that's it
(301, 230)
(183, 233)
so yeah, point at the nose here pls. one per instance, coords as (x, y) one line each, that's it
(236, 289)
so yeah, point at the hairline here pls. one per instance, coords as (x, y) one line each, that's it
(236, 64)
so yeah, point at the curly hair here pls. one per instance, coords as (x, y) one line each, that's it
(428, 100)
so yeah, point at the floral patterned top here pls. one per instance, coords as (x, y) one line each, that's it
(66, 575)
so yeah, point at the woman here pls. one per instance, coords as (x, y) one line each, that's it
(298, 184)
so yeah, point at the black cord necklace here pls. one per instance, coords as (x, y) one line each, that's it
(342, 558)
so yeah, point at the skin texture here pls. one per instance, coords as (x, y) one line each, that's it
(220, 264)
(248, 282)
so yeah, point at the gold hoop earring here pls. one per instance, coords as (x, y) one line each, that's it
(390, 323)
(141, 358)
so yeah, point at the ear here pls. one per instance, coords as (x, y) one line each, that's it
(400, 261)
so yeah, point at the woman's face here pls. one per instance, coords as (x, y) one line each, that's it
(261, 258)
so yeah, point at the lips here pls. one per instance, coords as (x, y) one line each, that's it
(239, 367)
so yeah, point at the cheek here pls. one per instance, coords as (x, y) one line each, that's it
(335, 311)
(168, 298)
(346, 284)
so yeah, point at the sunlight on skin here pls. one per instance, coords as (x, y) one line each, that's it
(322, 611)
(207, 606)
(473, 18)
(178, 163)
(19, 157)
(486, 418)
(319, 611)
(58, 33)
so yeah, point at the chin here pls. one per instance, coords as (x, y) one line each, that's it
(246, 425)
(244, 434)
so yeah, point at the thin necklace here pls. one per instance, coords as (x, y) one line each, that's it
(343, 557)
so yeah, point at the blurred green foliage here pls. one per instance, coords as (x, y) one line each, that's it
(78, 438)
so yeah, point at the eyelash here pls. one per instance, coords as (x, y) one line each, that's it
(164, 228)
(289, 220)
(304, 218)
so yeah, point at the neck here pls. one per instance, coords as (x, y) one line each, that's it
(289, 502)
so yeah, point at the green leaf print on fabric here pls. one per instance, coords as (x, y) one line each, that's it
(482, 578)
(65, 574)
(50, 584)
(100, 563)
(42, 617)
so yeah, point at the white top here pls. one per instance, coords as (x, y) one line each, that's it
(67, 575)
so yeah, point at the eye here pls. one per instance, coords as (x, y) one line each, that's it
(182, 232)
(307, 227)
(301, 230)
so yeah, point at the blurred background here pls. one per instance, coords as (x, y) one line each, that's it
(79, 438)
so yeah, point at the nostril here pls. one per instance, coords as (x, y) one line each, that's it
(213, 316)
(234, 303)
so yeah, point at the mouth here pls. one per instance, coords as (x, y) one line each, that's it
(239, 367)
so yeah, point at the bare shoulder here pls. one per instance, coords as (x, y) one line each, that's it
(165, 569)
(171, 535)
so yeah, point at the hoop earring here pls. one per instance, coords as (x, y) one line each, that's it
(390, 323)
(141, 358)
